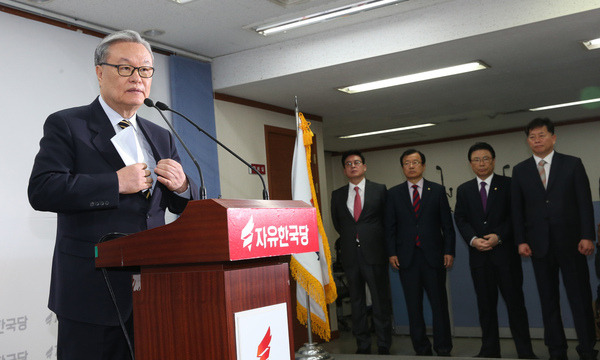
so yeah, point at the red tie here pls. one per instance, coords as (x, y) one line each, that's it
(357, 204)
(416, 207)
(416, 199)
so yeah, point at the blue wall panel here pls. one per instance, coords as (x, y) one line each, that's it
(192, 95)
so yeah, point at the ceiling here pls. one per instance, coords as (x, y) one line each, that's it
(533, 48)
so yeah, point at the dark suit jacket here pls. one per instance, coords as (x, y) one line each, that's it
(434, 225)
(562, 211)
(472, 221)
(74, 175)
(369, 225)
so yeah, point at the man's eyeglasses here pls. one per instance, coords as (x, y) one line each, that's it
(484, 159)
(409, 163)
(127, 70)
(355, 162)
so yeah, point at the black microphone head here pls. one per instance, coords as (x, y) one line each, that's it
(162, 106)
(437, 167)
(148, 102)
(506, 166)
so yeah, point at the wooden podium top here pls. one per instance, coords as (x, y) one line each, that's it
(218, 230)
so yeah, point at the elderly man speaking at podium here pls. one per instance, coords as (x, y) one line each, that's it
(103, 169)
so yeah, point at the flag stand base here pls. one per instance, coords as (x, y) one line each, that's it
(312, 351)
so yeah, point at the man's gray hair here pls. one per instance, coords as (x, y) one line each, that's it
(101, 52)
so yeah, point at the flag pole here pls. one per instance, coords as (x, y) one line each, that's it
(308, 321)
(310, 350)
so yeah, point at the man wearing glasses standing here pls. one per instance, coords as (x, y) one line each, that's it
(83, 174)
(553, 218)
(420, 243)
(482, 216)
(357, 214)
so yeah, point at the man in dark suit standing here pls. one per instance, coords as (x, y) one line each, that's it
(420, 243)
(553, 221)
(357, 214)
(482, 215)
(79, 174)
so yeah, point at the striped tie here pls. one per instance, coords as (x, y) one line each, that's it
(124, 124)
(416, 200)
(542, 171)
(416, 203)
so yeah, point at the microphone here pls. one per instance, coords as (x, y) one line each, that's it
(437, 167)
(162, 106)
(505, 167)
(148, 102)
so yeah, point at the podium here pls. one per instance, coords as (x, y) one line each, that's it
(219, 258)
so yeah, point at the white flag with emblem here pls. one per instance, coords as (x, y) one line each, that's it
(312, 271)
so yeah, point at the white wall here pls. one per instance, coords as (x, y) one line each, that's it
(43, 69)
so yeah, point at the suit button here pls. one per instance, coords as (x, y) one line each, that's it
(92, 203)
(547, 201)
(485, 223)
(97, 203)
(147, 216)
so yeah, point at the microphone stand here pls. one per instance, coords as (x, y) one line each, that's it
(148, 102)
(163, 106)
(442, 177)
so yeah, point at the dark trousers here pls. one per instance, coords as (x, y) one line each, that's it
(377, 278)
(576, 279)
(419, 277)
(78, 341)
(508, 278)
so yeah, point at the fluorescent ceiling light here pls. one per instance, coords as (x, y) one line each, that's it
(592, 44)
(422, 76)
(386, 131)
(565, 104)
(324, 16)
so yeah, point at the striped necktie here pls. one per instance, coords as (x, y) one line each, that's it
(416, 203)
(542, 172)
(124, 124)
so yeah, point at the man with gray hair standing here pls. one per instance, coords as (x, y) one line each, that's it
(98, 187)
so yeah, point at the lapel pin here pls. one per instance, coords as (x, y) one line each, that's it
(428, 188)
(495, 188)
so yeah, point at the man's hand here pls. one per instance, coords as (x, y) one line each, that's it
(448, 261)
(394, 262)
(170, 174)
(586, 247)
(482, 244)
(524, 250)
(492, 239)
(134, 178)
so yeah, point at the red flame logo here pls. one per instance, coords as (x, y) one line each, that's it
(264, 349)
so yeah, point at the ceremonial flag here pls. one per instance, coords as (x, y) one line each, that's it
(312, 271)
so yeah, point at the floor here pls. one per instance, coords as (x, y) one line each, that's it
(344, 347)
